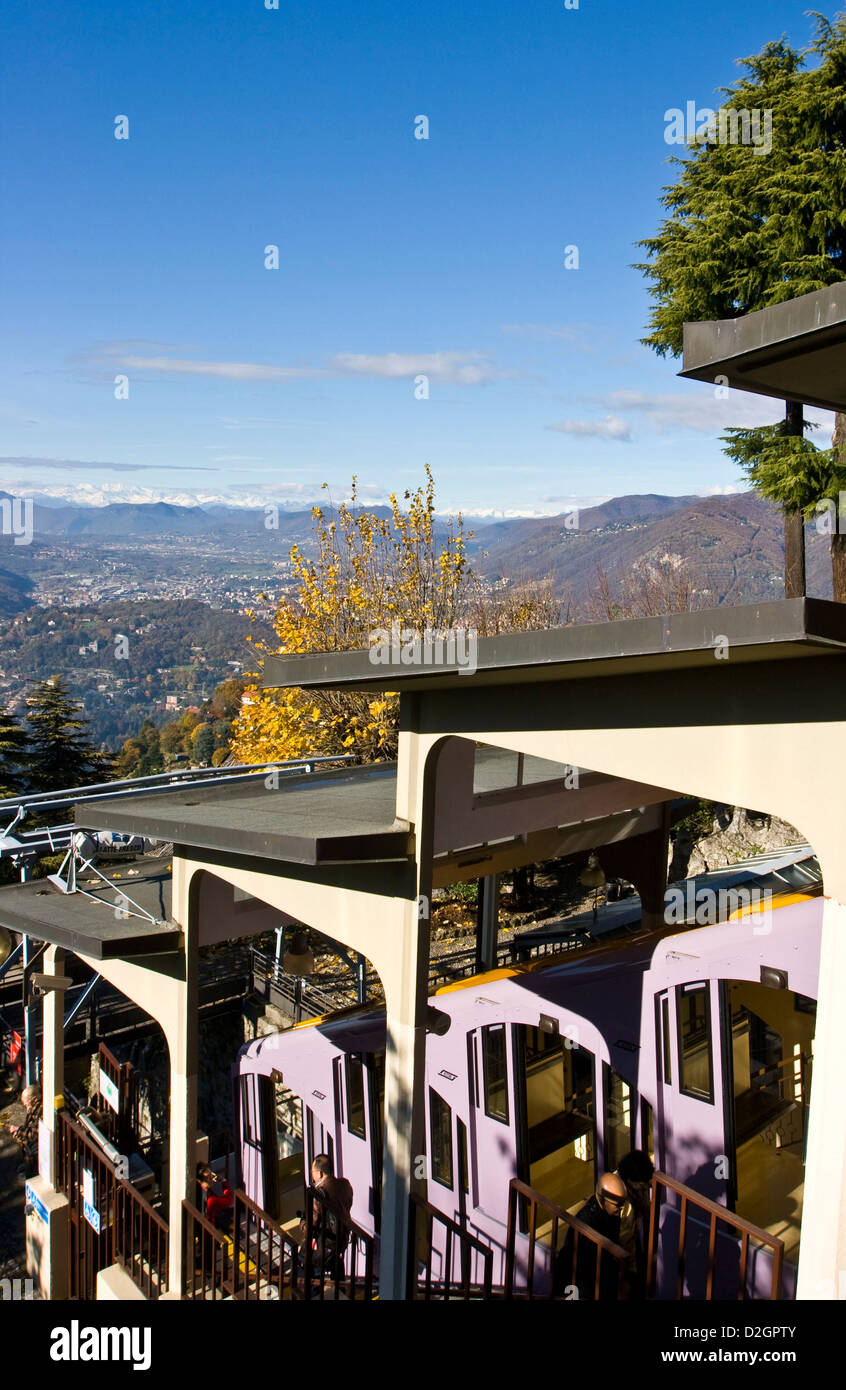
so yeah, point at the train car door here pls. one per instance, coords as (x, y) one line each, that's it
(355, 1137)
(691, 1142)
(260, 1160)
(493, 1119)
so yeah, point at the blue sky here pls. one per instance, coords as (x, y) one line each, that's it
(398, 257)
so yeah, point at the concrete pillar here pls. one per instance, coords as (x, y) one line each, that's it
(53, 1064)
(405, 1061)
(47, 1209)
(643, 861)
(182, 1039)
(822, 1255)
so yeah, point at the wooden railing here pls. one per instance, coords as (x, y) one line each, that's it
(120, 1226)
(265, 1257)
(703, 1209)
(141, 1241)
(588, 1267)
(261, 1260)
(466, 1263)
(206, 1257)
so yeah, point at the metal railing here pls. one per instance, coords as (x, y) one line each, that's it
(260, 1260)
(300, 995)
(141, 1241)
(338, 1263)
(459, 965)
(110, 1222)
(589, 1266)
(466, 1262)
(265, 1257)
(703, 1207)
(206, 1257)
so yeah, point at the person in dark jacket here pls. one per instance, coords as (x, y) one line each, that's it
(330, 1216)
(601, 1213)
(26, 1133)
(636, 1169)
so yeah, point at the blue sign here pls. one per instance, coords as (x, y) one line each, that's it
(92, 1216)
(36, 1203)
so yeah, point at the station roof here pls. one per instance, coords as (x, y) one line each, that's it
(787, 630)
(794, 350)
(41, 910)
(339, 817)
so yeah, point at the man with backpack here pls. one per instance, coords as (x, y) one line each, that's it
(330, 1217)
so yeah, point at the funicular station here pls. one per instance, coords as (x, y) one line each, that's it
(473, 1115)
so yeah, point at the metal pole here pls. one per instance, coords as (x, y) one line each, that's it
(487, 910)
(361, 978)
(27, 1009)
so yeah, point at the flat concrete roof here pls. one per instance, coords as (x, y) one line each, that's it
(787, 630)
(41, 910)
(338, 817)
(795, 350)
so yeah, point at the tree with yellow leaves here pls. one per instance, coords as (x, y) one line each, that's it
(369, 573)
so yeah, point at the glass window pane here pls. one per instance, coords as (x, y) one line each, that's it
(665, 1037)
(440, 1119)
(496, 1072)
(694, 1018)
(618, 1118)
(355, 1095)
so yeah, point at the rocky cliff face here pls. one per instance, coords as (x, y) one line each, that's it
(736, 834)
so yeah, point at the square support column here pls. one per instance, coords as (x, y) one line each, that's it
(53, 1057)
(405, 1073)
(183, 1045)
(822, 1255)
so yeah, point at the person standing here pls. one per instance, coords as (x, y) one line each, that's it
(602, 1214)
(26, 1133)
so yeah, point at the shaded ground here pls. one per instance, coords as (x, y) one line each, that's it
(12, 1241)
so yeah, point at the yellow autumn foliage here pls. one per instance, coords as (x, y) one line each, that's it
(369, 571)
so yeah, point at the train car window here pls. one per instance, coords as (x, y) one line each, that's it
(440, 1124)
(495, 1070)
(666, 1056)
(310, 1149)
(463, 1165)
(618, 1117)
(355, 1095)
(693, 1008)
(647, 1132)
(249, 1109)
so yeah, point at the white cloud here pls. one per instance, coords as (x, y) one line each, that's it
(27, 461)
(229, 371)
(612, 427)
(447, 368)
(702, 411)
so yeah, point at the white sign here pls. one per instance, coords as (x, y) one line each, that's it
(89, 1210)
(109, 1091)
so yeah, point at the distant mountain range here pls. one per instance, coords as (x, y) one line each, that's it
(732, 545)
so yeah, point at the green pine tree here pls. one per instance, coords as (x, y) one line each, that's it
(60, 756)
(14, 746)
(746, 230)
